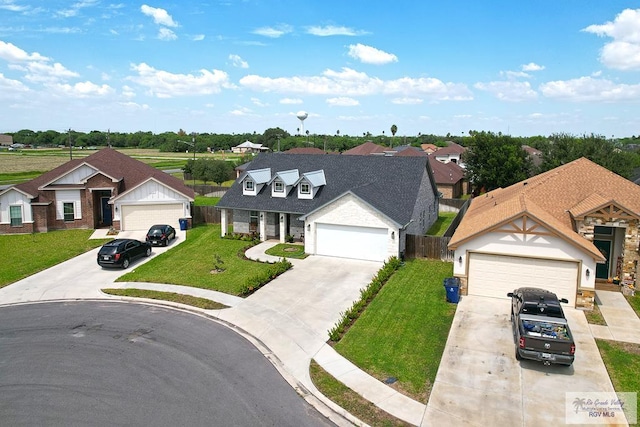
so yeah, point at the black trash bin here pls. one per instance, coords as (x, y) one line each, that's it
(184, 223)
(452, 286)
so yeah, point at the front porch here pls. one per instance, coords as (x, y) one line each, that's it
(281, 226)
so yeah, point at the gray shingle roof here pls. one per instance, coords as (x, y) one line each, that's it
(390, 184)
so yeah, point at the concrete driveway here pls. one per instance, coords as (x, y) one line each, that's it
(79, 277)
(480, 382)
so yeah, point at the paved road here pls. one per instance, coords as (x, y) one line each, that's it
(110, 363)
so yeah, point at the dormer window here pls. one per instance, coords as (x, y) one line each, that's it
(278, 186)
(305, 188)
(248, 185)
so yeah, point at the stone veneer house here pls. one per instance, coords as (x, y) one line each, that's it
(105, 189)
(346, 206)
(562, 230)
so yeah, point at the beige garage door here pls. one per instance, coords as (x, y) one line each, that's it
(495, 275)
(141, 217)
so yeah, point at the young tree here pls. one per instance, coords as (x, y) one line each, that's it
(394, 129)
(495, 160)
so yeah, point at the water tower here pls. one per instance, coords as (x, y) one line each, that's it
(301, 116)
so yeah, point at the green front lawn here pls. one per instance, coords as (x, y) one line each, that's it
(442, 223)
(26, 254)
(623, 364)
(287, 250)
(634, 302)
(193, 262)
(403, 332)
(166, 296)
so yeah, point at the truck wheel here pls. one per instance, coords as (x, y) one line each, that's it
(518, 357)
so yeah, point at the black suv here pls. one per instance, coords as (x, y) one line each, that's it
(120, 252)
(161, 234)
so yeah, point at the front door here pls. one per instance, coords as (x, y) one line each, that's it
(107, 217)
(602, 270)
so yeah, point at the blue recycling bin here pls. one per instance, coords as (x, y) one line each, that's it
(184, 223)
(452, 287)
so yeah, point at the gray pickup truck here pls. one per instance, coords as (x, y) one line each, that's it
(540, 329)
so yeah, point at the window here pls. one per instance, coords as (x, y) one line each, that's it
(67, 208)
(248, 185)
(604, 231)
(15, 213)
(305, 188)
(278, 187)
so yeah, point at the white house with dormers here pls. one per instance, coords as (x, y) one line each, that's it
(347, 206)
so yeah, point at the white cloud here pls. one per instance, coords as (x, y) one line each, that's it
(238, 62)
(198, 37)
(242, 111)
(274, 32)
(407, 101)
(291, 101)
(515, 74)
(166, 34)
(532, 66)
(8, 86)
(134, 106)
(82, 89)
(160, 16)
(370, 55)
(623, 53)
(509, 90)
(333, 30)
(11, 53)
(342, 101)
(349, 82)
(163, 84)
(42, 72)
(257, 102)
(589, 89)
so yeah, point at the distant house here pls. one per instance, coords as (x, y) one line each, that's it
(346, 206)
(408, 151)
(248, 147)
(451, 153)
(564, 230)
(428, 148)
(449, 178)
(105, 189)
(366, 149)
(6, 140)
(533, 154)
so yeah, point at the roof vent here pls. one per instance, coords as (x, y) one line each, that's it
(525, 183)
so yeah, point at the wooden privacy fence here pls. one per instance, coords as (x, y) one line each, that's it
(433, 247)
(209, 215)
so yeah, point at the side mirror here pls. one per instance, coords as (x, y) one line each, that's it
(564, 300)
(510, 294)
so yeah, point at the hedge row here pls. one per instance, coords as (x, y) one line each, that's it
(366, 296)
(256, 282)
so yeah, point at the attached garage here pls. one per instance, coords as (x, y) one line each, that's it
(141, 217)
(347, 241)
(494, 275)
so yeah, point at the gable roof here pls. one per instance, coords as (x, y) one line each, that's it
(446, 173)
(305, 150)
(451, 148)
(112, 163)
(556, 197)
(365, 149)
(390, 184)
(249, 144)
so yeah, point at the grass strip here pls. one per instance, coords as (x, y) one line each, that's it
(351, 401)
(595, 316)
(622, 361)
(166, 296)
(287, 250)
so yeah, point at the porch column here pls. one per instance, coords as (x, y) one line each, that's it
(283, 226)
(263, 226)
(223, 222)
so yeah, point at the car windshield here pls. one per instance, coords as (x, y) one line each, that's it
(542, 309)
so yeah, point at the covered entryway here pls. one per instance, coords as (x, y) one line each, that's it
(141, 217)
(494, 275)
(347, 241)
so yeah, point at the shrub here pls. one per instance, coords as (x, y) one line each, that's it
(256, 282)
(367, 294)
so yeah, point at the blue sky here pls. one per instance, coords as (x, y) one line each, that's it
(526, 67)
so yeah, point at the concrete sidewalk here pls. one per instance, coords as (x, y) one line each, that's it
(622, 322)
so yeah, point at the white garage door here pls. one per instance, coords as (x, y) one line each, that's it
(352, 242)
(141, 217)
(495, 275)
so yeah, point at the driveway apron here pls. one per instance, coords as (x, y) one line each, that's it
(293, 314)
(479, 381)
